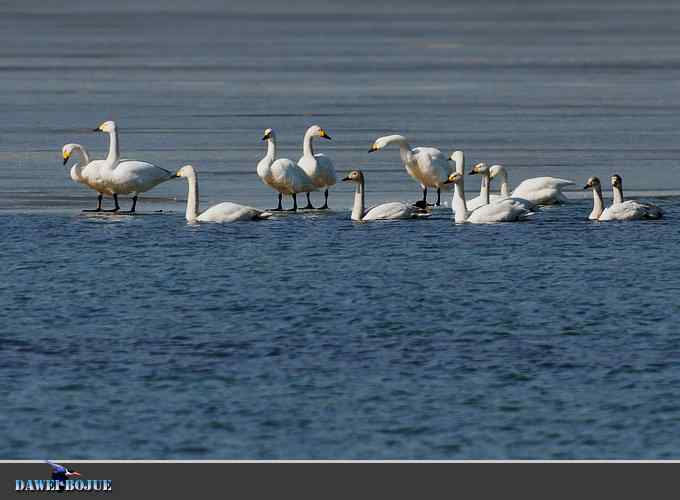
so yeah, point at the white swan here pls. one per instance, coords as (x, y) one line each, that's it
(537, 190)
(317, 166)
(282, 175)
(428, 166)
(128, 176)
(506, 210)
(619, 209)
(385, 211)
(222, 212)
(86, 172)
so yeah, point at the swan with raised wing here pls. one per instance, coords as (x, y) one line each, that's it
(384, 211)
(427, 166)
(86, 172)
(619, 210)
(318, 166)
(282, 175)
(222, 212)
(123, 176)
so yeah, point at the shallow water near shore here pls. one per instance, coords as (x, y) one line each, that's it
(308, 335)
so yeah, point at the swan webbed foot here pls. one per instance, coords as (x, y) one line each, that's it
(93, 210)
(277, 209)
(294, 209)
(309, 206)
(112, 210)
(324, 207)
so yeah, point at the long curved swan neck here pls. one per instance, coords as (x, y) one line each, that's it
(484, 189)
(307, 147)
(359, 201)
(84, 157)
(271, 149)
(598, 204)
(114, 148)
(459, 204)
(192, 198)
(505, 185)
(618, 194)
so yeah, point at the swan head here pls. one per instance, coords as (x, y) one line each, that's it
(593, 183)
(617, 181)
(454, 178)
(268, 134)
(479, 169)
(67, 150)
(316, 131)
(108, 126)
(186, 171)
(382, 142)
(495, 170)
(354, 176)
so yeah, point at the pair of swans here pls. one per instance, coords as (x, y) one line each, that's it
(313, 171)
(509, 209)
(113, 175)
(619, 209)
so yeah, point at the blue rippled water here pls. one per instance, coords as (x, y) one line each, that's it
(309, 336)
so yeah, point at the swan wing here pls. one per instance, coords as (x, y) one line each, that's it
(325, 170)
(231, 212)
(394, 210)
(288, 178)
(506, 210)
(433, 167)
(134, 176)
(92, 175)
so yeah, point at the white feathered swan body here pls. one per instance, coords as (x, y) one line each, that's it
(385, 211)
(317, 166)
(282, 175)
(123, 176)
(542, 190)
(85, 171)
(222, 212)
(427, 166)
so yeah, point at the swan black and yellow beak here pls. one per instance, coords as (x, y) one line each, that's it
(66, 157)
(373, 149)
(267, 136)
(346, 179)
(447, 181)
(324, 135)
(587, 186)
(96, 129)
(472, 172)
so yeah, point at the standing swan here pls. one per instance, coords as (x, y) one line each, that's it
(537, 190)
(619, 209)
(507, 210)
(428, 166)
(222, 212)
(86, 172)
(128, 176)
(282, 175)
(392, 210)
(317, 166)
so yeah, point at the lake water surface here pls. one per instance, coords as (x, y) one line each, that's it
(309, 336)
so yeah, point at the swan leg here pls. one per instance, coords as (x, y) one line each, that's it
(116, 205)
(294, 195)
(280, 207)
(439, 197)
(134, 205)
(325, 203)
(99, 204)
(309, 205)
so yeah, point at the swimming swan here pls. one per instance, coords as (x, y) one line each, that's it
(428, 166)
(222, 212)
(128, 176)
(537, 190)
(282, 175)
(317, 166)
(385, 211)
(506, 210)
(619, 209)
(86, 172)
